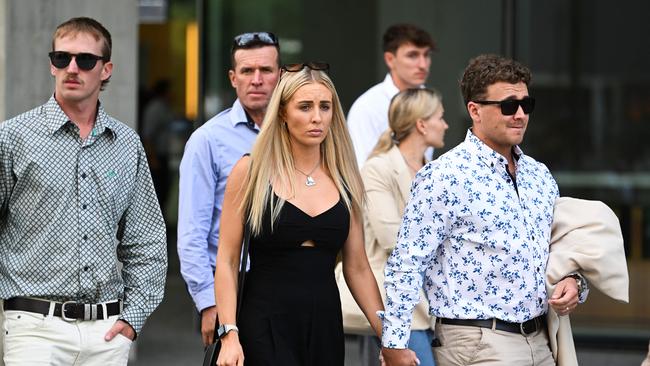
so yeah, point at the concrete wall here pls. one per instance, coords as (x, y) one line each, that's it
(28, 26)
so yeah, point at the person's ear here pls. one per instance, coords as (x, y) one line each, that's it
(474, 110)
(389, 59)
(231, 76)
(420, 126)
(107, 70)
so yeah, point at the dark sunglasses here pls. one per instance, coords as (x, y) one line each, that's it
(511, 106)
(246, 39)
(85, 61)
(314, 65)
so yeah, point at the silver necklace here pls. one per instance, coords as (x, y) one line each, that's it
(310, 180)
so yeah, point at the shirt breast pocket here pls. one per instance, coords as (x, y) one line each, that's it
(114, 191)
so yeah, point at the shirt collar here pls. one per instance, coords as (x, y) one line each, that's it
(238, 115)
(486, 154)
(56, 118)
(389, 86)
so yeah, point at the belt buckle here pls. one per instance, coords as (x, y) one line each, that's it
(523, 331)
(63, 311)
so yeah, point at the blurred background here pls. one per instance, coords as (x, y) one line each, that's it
(591, 77)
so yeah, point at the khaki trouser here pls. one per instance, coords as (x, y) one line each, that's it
(35, 339)
(468, 345)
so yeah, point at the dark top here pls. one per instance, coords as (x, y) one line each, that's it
(291, 311)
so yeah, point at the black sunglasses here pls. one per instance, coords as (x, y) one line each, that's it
(85, 61)
(511, 106)
(246, 39)
(314, 65)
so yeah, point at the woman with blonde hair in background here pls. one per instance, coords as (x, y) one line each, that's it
(300, 193)
(416, 122)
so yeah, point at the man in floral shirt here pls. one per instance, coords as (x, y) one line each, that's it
(478, 226)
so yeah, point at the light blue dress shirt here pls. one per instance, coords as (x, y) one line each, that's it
(210, 153)
(482, 243)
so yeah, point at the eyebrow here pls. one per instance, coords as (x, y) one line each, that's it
(312, 102)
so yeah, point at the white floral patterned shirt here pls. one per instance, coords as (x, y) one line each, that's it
(481, 241)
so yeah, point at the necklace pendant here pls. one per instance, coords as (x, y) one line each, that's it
(310, 181)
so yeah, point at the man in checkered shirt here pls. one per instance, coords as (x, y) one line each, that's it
(76, 200)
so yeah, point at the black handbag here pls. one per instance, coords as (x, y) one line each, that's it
(212, 351)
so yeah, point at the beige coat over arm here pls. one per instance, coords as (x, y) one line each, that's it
(585, 237)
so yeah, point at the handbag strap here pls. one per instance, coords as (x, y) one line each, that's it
(241, 278)
(243, 268)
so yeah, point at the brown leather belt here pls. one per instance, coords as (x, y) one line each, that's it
(526, 328)
(69, 310)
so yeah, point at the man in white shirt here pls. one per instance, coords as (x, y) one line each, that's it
(407, 53)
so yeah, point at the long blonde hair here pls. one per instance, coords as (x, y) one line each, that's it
(272, 159)
(406, 108)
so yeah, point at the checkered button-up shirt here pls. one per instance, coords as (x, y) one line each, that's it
(71, 209)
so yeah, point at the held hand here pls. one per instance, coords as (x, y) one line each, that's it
(231, 353)
(565, 297)
(399, 357)
(208, 320)
(122, 328)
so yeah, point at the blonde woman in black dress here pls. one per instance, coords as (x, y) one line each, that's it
(301, 194)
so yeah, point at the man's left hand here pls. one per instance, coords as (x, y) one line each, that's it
(565, 297)
(122, 328)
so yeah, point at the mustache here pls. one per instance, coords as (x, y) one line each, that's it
(72, 78)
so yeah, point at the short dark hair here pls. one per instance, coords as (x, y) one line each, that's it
(90, 26)
(485, 70)
(400, 34)
(256, 42)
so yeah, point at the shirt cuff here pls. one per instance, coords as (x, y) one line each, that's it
(204, 298)
(395, 334)
(135, 317)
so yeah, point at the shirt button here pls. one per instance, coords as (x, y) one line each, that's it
(86, 268)
(83, 206)
(539, 301)
(85, 237)
(83, 175)
(537, 269)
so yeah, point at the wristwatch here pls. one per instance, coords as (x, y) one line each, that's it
(580, 282)
(225, 328)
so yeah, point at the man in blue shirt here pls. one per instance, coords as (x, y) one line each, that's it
(478, 225)
(210, 154)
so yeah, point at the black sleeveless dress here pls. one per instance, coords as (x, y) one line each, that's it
(291, 310)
